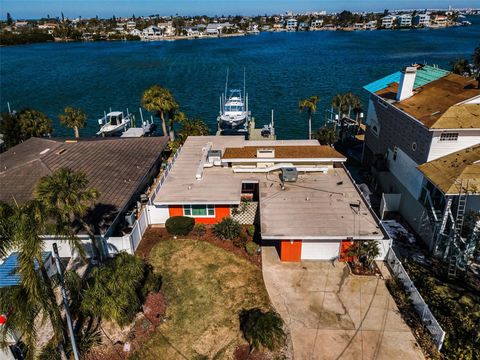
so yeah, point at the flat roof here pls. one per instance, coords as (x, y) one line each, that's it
(317, 205)
(114, 166)
(451, 172)
(431, 102)
(285, 152)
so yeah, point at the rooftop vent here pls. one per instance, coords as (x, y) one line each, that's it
(265, 153)
(215, 157)
(407, 80)
(289, 174)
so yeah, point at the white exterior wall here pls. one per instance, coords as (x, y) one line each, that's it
(466, 138)
(405, 170)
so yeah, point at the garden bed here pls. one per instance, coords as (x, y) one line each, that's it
(155, 235)
(360, 270)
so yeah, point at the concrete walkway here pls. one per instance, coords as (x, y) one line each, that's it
(333, 315)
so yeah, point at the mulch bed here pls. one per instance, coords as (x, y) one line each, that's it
(243, 353)
(154, 235)
(358, 269)
(145, 324)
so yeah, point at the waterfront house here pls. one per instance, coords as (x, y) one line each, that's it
(166, 28)
(297, 191)
(131, 25)
(421, 20)
(388, 21)
(121, 169)
(20, 23)
(135, 32)
(217, 28)
(316, 24)
(151, 32)
(278, 26)
(440, 21)
(49, 27)
(371, 25)
(404, 21)
(359, 26)
(291, 24)
(415, 117)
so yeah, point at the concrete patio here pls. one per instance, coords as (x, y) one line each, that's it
(333, 315)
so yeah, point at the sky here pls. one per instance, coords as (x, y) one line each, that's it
(30, 9)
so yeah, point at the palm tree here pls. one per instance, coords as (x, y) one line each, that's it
(326, 136)
(192, 127)
(310, 105)
(34, 123)
(74, 119)
(67, 198)
(21, 230)
(160, 101)
(344, 103)
(461, 67)
(476, 64)
(364, 251)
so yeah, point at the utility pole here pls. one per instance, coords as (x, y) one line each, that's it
(65, 302)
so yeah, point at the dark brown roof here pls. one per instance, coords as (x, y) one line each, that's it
(285, 152)
(115, 167)
(431, 101)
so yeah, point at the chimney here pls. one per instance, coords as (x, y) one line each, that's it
(405, 88)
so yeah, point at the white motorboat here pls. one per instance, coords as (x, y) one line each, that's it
(113, 123)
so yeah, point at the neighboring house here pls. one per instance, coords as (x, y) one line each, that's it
(359, 26)
(316, 24)
(20, 23)
(48, 26)
(291, 24)
(151, 32)
(302, 26)
(312, 215)
(404, 21)
(421, 20)
(131, 25)
(121, 169)
(388, 21)
(278, 26)
(414, 117)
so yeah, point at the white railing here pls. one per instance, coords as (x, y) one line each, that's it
(436, 331)
(131, 241)
(163, 178)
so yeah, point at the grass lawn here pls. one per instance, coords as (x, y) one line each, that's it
(205, 288)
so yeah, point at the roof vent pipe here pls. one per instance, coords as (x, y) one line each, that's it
(405, 89)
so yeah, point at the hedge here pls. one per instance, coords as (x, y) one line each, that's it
(179, 225)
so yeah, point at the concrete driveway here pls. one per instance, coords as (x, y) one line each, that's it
(333, 315)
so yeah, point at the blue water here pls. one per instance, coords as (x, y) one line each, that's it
(282, 68)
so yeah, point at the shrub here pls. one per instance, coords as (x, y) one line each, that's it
(262, 328)
(179, 225)
(152, 283)
(241, 240)
(251, 230)
(251, 248)
(227, 229)
(199, 230)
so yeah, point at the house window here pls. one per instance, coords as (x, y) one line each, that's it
(447, 136)
(248, 187)
(199, 210)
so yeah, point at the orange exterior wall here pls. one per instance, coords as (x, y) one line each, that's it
(221, 211)
(291, 251)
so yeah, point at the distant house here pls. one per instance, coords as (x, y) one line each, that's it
(359, 26)
(371, 25)
(121, 169)
(404, 21)
(48, 26)
(151, 32)
(278, 26)
(291, 24)
(166, 28)
(20, 23)
(217, 28)
(131, 25)
(421, 20)
(440, 20)
(316, 24)
(388, 21)
(135, 32)
(302, 26)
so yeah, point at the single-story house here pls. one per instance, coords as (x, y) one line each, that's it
(297, 191)
(121, 169)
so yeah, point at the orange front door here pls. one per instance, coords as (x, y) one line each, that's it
(345, 246)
